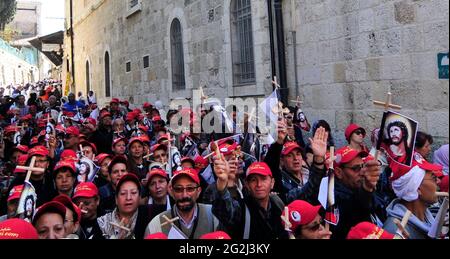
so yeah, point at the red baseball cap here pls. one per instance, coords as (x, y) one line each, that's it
(159, 235)
(135, 139)
(189, 172)
(69, 164)
(21, 148)
(216, 235)
(301, 213)
(115, 100)
(156, 118)
(259, 168)
(117, 140)
(38, 151)
(157, 172)
(15, 193)
(352, 128)
(130, 116)
(72, 130)
(346, 155)
(143, 128)
(34, 141)
(26, 117)
(101, 157)
(398, 170)
(85, 190)
(50, 207)
(367, 230)
(22, 161)
(147, 105)
(69, 154)
(87, 143)
(17, 229)
(67, 202)
(288, 147)
(128, 178)
(11, 129)
(105, 114)
(125, 102)
(90, 121)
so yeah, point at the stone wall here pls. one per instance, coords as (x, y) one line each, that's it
(353, 51)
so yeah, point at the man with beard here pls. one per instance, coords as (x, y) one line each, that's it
(397, 142)
(104, 134)
(195, 219)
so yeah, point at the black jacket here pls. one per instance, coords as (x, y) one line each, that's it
(103, 139)
(355, 206)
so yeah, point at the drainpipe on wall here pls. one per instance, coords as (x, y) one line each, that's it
(272, 41)
(294, 45)
(72, 47)
(284, 91)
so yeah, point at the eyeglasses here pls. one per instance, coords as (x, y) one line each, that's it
(356, 168)
(316, 226)
(433, 178)
(189, 189)
(359, 132)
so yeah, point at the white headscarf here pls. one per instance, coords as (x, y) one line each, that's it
(406, 187)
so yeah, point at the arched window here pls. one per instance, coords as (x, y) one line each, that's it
(242, 42)
(107, 76)
(88, 77)
(177, 55)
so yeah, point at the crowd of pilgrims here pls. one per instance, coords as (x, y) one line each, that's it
(114, 172)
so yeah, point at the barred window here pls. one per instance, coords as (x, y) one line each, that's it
(242, 42)
(88, 77)
(128, 66)
(133, 3)
(176, 42)
(107, 76)
(146, 61)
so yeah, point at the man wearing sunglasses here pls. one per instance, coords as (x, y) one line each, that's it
(355, 134)
(195, 219)
(357, 175)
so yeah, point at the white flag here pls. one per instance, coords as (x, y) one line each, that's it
(175, 233)
(268, 104)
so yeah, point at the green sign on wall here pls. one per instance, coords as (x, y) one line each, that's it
(443, 65)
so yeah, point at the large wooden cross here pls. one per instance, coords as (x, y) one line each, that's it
(203, 97)
(169, 221)
(275, 83)
(388, 104)
(287, 223)
(298, 102)
(30, 168)
(330, 198)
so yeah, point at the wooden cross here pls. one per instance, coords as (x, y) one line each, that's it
(252, 115)
(298, 102)
(388, 104)
(401, 225)
(120, 225)
(203, 97)
(169, 221)
(330, 198)
(332, 158)
(30, 168)
(275, 83)
(287, 223)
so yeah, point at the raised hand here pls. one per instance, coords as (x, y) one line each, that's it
(372, 172)
(221, 169)
(319, 142)
(282, 131)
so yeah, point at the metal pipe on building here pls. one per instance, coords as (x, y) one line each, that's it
(71, 45)
(272, 41)
(294, 45)
(284, 91)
